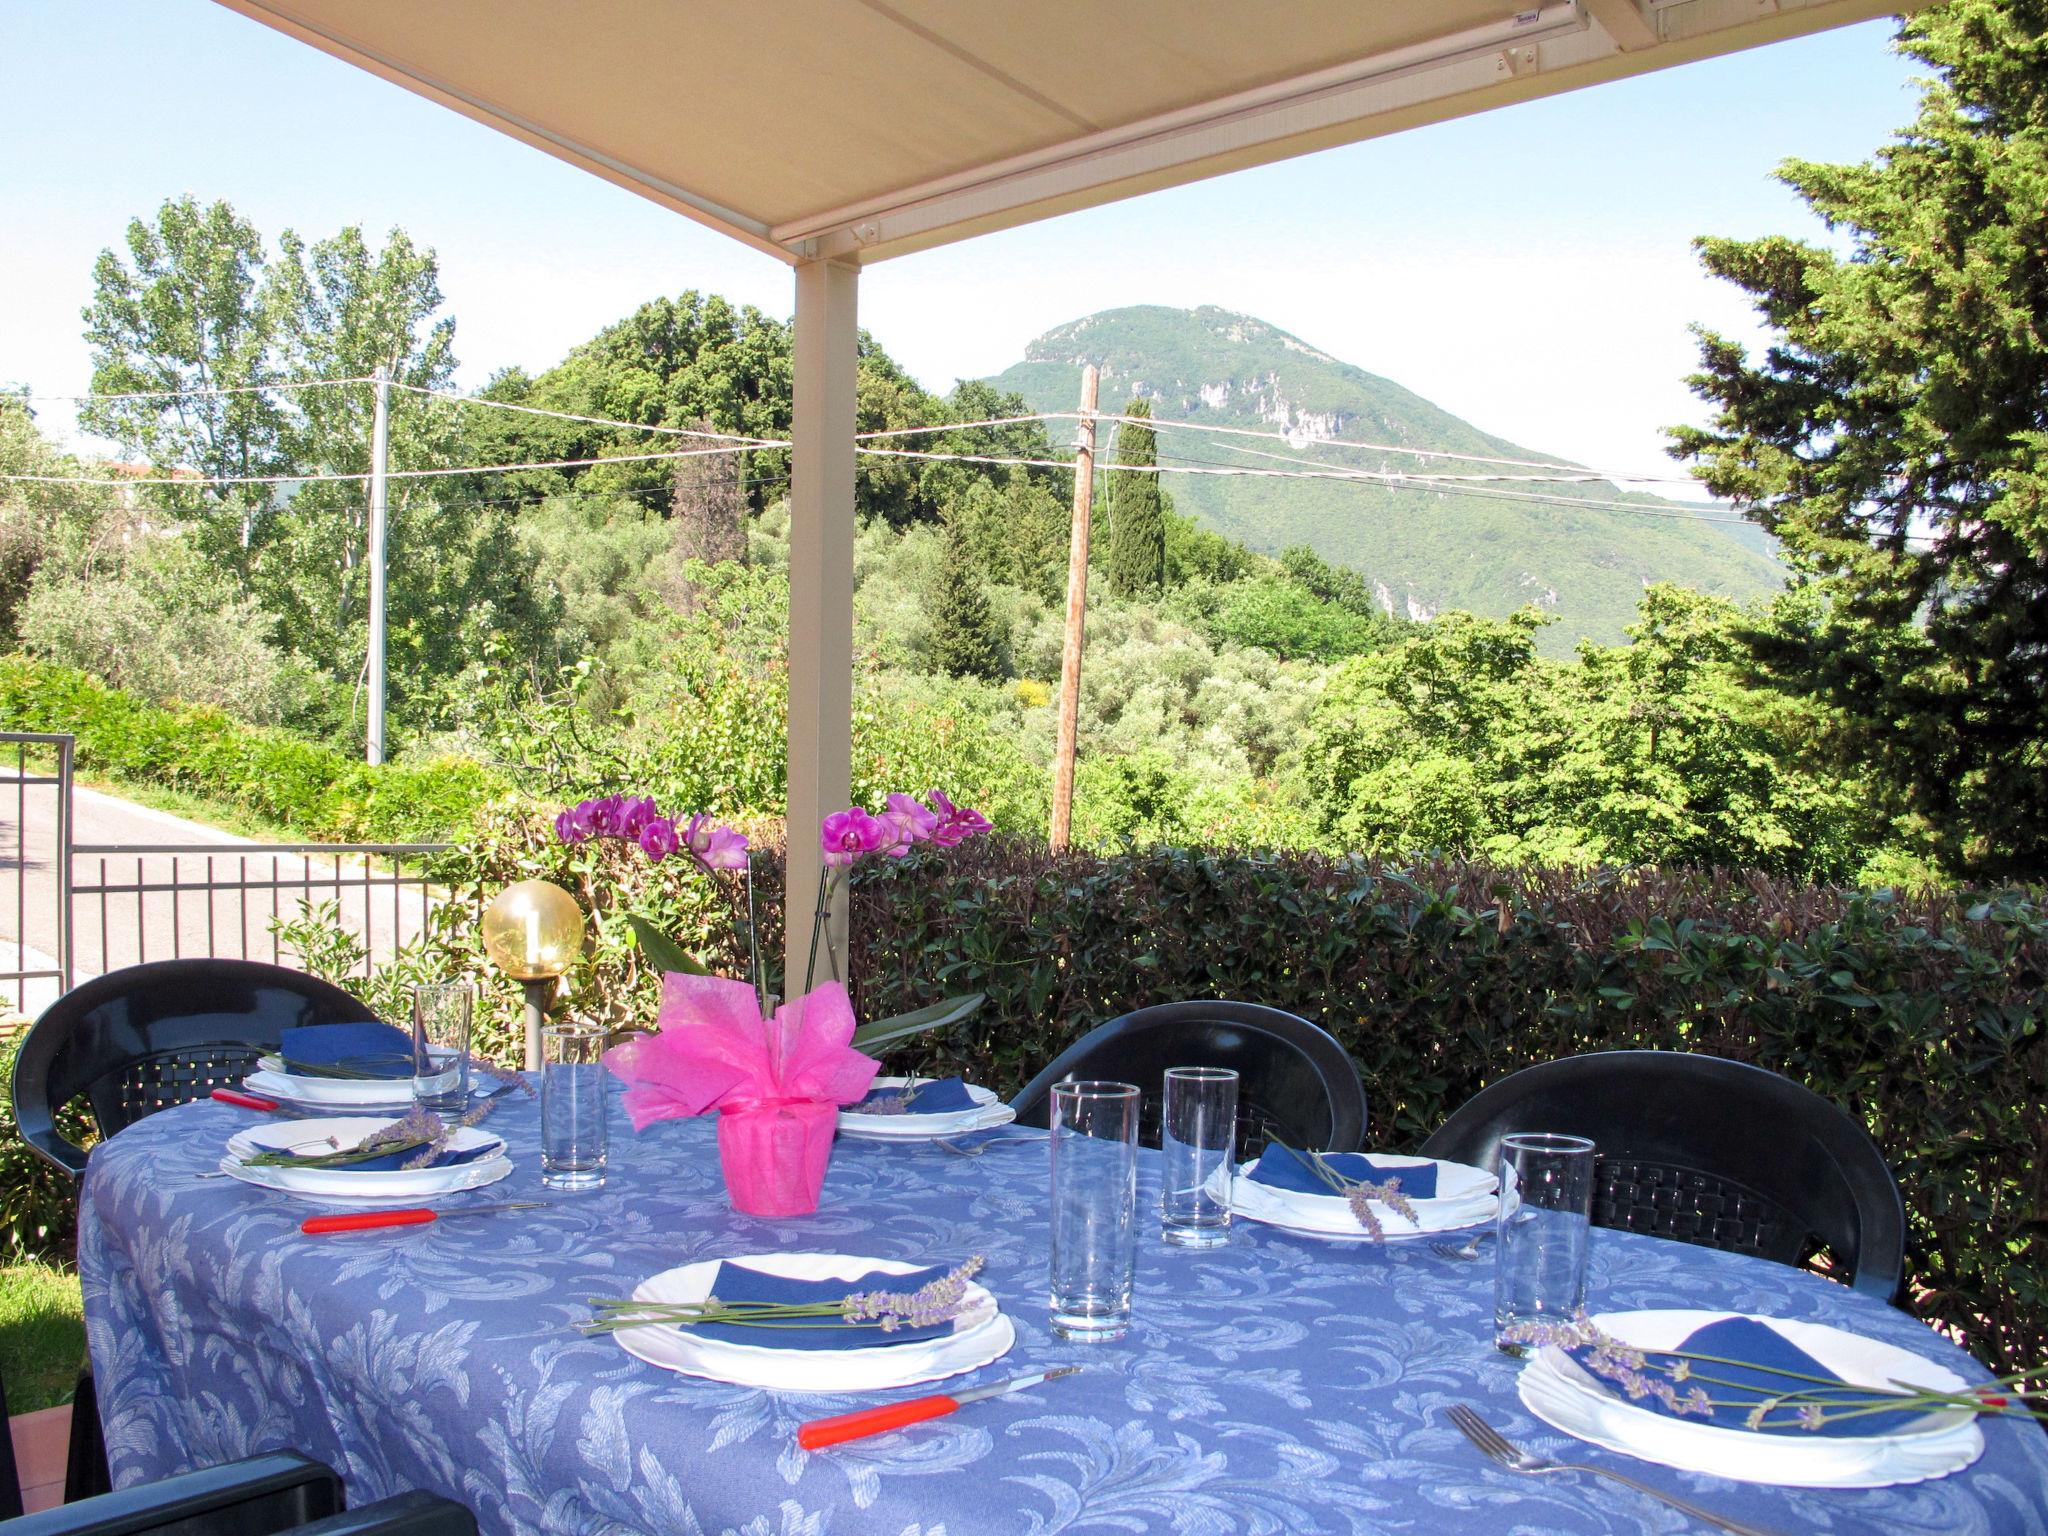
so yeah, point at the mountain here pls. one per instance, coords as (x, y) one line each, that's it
(1424, 549)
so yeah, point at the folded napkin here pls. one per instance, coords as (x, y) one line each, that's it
(367, 1050)
(391, 1162)
(1741, 1389)
(736, 1282)
(943, 1096)
(1284, 1168)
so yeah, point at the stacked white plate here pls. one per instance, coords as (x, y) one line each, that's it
(988, 1112)
(1466, 1199)
(347, 1095)
(1560, 1392)
(356, 1186)
(981, 1333)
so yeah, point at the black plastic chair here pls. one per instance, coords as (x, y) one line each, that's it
(1707, 1151)
(1297, 1086)
(404, 1514)
(144, 1038)
(261, 1496)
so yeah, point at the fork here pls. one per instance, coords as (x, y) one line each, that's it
(1469, 1249)
(1497, 1449)
(953, 1144)
(323, 1141)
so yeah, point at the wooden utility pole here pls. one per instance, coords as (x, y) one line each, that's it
(1077, 614)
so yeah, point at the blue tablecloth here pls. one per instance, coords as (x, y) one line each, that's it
(1278, 1385)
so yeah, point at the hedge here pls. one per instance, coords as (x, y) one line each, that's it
(1923, 1018)
(310, 789)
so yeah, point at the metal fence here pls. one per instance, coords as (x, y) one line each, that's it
(137, 902)
(35, 903)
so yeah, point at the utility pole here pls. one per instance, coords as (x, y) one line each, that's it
(1077, 614)
(380, 444)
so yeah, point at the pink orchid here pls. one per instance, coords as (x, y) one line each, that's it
(956, 823)
(715, 845)
(849, 835)
(914, 824)
(657, 838)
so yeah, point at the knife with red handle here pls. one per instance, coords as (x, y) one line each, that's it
(243, 1100)
(409, 1216)
(858, 1425)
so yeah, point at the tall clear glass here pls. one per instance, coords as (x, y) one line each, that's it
(1094, 1208)
(572, 1106)
(1198, 1140)
(441, 1014)
(1540, 1256)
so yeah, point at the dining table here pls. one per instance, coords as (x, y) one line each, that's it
(1275, 1384)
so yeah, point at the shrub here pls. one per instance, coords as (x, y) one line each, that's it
(313, 790)
(1924, 1018)
(38, 1204)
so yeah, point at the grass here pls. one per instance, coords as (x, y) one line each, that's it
(42, 1335)
(235, 820)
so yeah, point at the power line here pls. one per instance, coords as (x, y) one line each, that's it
(595, 421)
(169, 394)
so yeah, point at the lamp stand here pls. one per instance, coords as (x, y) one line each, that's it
(538, 995)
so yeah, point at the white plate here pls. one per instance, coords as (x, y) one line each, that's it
(980, 1335)
(1330, 1215)
(1554, 1389)
(989, 1112)
(272, 1081)
(368, 1188)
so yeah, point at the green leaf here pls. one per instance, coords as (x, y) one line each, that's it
(663, 952)
(917, 1022)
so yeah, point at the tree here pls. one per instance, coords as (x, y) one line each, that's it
(1137, 522)
(180, 328)
(1893, 437)
(708, 507)
(966, 639)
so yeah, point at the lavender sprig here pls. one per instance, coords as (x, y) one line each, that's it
(1359, 1194)
(1813, 1402)
(897, 1103)
(938, 1301)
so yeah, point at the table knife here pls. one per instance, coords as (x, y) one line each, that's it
(820, 1433)
(409, 1216)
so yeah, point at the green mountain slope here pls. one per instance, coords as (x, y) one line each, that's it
(1425, 550)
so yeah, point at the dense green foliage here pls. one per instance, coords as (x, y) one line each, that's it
(38, 1203)
(1137, 522)
(312, 790)
(1424, 549)
(1892, 436)
(1924, 1019)
(966, 641)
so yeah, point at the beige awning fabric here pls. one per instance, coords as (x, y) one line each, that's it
(860, 129)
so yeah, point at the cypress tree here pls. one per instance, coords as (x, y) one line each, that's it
(967, 641)
(1137, 522)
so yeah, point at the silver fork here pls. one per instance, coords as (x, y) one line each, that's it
(1496, 1448)
(323, 1141)
(1469, 1249)
(954, 1146)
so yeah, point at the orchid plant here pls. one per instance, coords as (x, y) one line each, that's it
(845, 840)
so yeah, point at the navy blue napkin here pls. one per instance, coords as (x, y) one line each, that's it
(368, 1050)
(736, 1282)
(1284, 1168)
(942, 1096)
(1742, 1338)
(448, 1157)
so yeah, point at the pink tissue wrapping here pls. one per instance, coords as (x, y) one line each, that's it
(775, 1082)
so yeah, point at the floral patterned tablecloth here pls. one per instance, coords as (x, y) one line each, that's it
(1277, 1385)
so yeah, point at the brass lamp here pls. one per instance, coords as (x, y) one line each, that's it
(533, 932)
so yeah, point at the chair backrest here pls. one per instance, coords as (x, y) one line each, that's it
(149, 1036)
(1297, 1084)
(1708, 1151)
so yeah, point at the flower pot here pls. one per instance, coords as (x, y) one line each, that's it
(773, 1155)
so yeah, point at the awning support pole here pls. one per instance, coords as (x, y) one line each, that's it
(820, 593)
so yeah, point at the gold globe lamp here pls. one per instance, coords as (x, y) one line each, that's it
(533, 932)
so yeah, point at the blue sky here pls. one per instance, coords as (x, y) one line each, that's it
(1529, 269)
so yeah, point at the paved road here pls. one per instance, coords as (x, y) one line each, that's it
(216, 894)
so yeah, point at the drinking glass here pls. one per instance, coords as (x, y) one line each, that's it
(1198, 1138)
(1540, 1256)
(1094, 1208)
(572, 1105)
(440, 1046)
